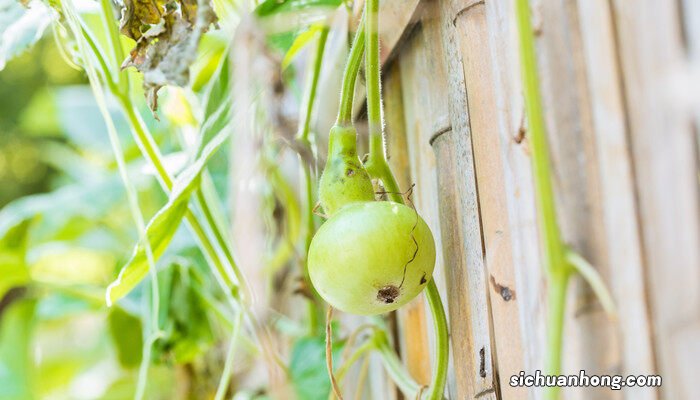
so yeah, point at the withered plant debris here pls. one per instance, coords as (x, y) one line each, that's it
(167, 34)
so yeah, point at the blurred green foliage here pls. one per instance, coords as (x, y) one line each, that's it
(66, 228)
(28, 118)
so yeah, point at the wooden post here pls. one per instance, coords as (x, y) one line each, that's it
(665, 153)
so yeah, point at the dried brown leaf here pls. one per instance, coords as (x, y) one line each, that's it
(167, 35)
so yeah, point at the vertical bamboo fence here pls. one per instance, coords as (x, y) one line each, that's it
(620, 82)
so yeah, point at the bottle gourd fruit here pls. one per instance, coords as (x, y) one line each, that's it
(369, 257)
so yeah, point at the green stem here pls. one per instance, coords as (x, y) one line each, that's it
(107, 75)
(201, 202)
(313, 85)
(549, 230)
(440, 364)
(556, 307)
(394, 367)
(556, 265)
(109, 20)
(228, 364)
(372, 74)
(347, 92)
(378, 167)
(303, 137)
(437, 386)
(589, 273)
(359, 352)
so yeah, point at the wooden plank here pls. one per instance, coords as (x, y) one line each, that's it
(665, 166)
(690, 12)
(477, 61)
(529, 279)
(591, 341)
(423, 109)
(470, 325)
(624, 255)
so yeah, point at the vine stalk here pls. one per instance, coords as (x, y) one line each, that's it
(303, 139)
(378, 167)
(557, 268)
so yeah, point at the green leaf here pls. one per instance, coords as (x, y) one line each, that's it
(21, 27)
(183, 315)
(159, 232)
(308, 367)
(292, 16)
(56, 305)
(272, 7)
(126, 332)
(79, 118)
(64, 217)
(13, 270)
(162, 227)
(162, 384)
(16, 365)
(299, 43)
(218, 105)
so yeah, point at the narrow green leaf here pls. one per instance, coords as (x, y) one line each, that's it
(299, 43)
(219, 89)
(218, 105)
(159, 232)
(164, 224)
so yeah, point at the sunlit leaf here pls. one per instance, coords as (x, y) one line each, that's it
(299, 43)
(21, 27)
(61, 264)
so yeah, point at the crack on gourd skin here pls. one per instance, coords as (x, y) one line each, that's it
(409, 192)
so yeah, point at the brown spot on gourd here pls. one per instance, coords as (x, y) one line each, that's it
(388, 294)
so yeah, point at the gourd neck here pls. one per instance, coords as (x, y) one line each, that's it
(342, 141)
